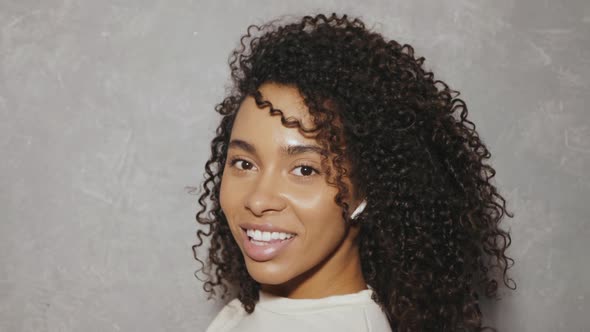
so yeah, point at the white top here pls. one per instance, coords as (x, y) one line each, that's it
(355, 312)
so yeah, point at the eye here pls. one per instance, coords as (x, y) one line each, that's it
(307, 170)
(246, 165)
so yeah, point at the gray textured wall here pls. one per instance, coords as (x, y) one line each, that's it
(106, 112)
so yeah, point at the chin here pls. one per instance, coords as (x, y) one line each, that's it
(268, 273)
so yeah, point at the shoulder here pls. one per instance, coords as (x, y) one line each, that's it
(376, 319)
(228, 317)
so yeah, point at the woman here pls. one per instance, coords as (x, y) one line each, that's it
(348, 190)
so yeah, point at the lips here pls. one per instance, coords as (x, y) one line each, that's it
(267, 251)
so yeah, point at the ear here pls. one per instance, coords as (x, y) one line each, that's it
(359, 209)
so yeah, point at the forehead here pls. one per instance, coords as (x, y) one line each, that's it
(254, 122)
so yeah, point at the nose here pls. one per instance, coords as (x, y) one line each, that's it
(265, 194)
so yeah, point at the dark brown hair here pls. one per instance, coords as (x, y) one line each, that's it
(430, 240)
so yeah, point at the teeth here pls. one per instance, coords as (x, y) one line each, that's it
(267, 236)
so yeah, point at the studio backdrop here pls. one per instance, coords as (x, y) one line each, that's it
(106, 117)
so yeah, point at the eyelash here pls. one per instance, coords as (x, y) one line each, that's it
(234, 160)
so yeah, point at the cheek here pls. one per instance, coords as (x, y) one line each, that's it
(322, 220)
(229, 193)
(223, 192)
(228, 198)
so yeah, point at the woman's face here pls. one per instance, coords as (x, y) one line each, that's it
(273, 183)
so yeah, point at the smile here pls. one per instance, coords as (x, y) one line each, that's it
(269, 237)
(263, 246)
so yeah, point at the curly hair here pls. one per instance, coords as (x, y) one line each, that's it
(430, 238)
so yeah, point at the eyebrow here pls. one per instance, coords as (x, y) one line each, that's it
(289, 150)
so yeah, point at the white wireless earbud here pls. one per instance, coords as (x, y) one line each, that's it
(359, 209)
